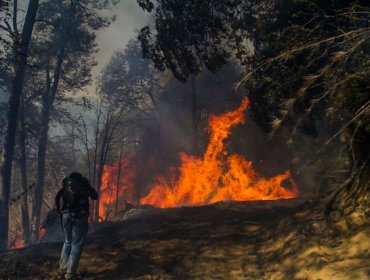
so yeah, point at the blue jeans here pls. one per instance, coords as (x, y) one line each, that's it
(75, 231)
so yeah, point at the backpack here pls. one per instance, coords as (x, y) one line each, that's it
(76, 194)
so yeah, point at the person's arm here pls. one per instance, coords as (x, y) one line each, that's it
(92, 193)
(57, 199)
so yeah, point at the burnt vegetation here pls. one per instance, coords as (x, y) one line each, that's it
(304, 67)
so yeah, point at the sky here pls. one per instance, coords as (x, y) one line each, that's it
(130, 18)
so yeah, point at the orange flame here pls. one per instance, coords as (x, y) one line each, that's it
(42, 232)
(108, 191)
(217, 176)
(18, 244)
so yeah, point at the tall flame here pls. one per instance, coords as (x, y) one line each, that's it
(116, 190)
(218, 176)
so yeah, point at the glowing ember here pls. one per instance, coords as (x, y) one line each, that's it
(42, 232)
(19, 243)
(115, 190)
(217, 176)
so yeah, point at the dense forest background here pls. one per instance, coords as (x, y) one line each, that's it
(304, 65)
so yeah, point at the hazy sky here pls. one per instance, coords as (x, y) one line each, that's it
(130, 17)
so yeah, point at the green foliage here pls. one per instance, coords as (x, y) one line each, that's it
(67, 26)
(327, 53)
(129, 79)
(305, 54)
(191, 34)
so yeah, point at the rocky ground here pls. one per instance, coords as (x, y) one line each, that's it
(226, 240)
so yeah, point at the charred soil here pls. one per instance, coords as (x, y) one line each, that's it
(286, 239)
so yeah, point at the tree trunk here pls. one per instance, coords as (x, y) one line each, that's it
(102, 158)
(9, 139)
(108, 131)
(98, 185)
(47, 105)
(41, 158)
(194, 104)
(118, 177)
(350, 205)
(23, 168)
(95, 162)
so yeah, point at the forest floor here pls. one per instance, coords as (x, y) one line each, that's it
(226, 240)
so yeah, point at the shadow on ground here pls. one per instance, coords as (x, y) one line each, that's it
(227, 240)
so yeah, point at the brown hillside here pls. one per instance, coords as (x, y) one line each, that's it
(226, 240)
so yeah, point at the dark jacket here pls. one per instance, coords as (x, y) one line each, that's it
(75, 194)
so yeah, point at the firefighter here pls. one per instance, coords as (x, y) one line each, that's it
(74, 210)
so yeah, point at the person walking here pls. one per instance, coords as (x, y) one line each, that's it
(74, 195)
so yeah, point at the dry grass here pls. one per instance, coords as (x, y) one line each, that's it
(229, 240)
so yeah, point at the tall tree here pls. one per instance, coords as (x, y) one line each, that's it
(22, 162)
(130, 80)
(9, 137)
(189, 35)
(211, 33)
(97, 134)
(65, 58)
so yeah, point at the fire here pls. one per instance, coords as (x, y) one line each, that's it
(113, 189)
(18, 244)
(218, 176)
(42, 232)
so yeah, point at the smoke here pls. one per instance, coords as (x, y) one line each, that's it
(129, 18)
(171, 134)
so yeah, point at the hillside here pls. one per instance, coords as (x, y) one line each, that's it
(226, 240)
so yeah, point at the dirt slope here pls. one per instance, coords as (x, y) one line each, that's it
(228, 240)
